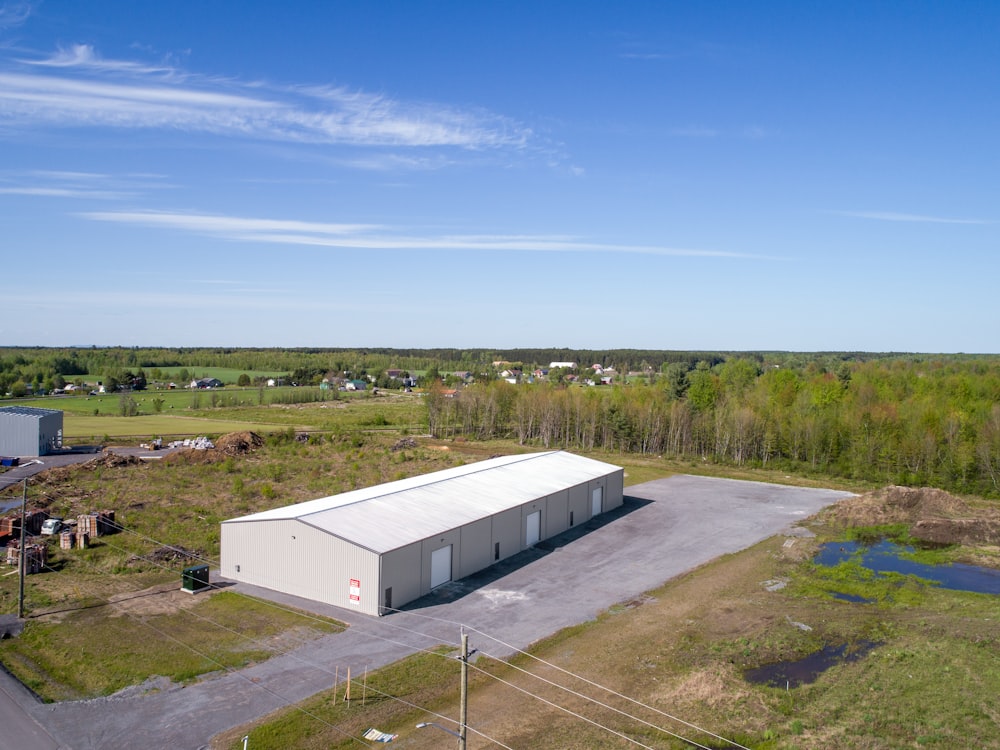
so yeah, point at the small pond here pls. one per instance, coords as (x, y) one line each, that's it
(789, 674)
(887, 557)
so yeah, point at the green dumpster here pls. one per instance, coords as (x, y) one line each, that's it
(194, 578)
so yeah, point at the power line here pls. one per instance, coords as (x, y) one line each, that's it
(292, 655)
(582, 679)
(436, 638)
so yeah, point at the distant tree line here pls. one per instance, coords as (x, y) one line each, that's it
(916, 421)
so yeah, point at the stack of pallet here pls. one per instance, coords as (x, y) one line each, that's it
(82, 540)
(97, 523)
(67, 539)
(10, 525)
(35, 556)
(33, 521)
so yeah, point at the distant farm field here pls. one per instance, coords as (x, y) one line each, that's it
(213, 412)
(77, 427)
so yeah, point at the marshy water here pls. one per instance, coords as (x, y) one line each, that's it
(792, 673)
(888, 557)
(881, 557)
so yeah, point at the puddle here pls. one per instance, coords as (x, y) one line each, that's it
(852, 598)
(884, 557)
(792, 673)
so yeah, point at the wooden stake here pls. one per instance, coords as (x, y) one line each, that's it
(347, 693)
(364, 687)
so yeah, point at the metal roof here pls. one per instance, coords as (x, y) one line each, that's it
(28, 411)
(392, 515)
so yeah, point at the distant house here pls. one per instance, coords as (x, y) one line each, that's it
(563, 365)
(207, 383)
(393, 374)
(355, 385)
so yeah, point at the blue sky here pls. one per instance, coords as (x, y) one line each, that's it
(737, 176)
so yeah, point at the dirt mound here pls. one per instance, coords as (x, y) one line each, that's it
(239, 443)
(404, 444)
(932, 515)
(111, 461)
(165, 554)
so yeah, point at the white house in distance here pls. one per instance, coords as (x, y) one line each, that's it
(377, 548)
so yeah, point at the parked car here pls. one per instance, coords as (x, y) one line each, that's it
(52, 526)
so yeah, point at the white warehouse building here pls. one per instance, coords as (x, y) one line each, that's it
(379, 548)
(28, 431)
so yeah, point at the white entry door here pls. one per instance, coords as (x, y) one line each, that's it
(533, 528)
(596, 501)
(440, 566)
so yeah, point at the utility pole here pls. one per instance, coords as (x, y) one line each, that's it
(20, 552)
(463, 705)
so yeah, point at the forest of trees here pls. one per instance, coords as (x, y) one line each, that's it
(915, 421)
(883, 418)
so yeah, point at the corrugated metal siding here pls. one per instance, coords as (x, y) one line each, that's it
(579, 503)
(558, 513)
(28, 431)
(401, 569)
(614, 491)
(477, 550)
(292, 557)
(507, 531)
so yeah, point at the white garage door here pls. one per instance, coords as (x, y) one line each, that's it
(533, 528)
(440, 566)
(596, 501)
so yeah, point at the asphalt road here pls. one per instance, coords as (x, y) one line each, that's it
(664, 529)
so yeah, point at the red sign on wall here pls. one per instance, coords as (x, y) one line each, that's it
(355, 591)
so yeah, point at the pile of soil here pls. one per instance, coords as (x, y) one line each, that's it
(108, 460)
(239, 443)
(166, 555)
(933, 515)
(404, 444)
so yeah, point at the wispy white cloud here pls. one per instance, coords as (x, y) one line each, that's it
(378, 237)
(84, 56)
(76, 87)
(919, 218)
(71, 184)
(13, 15)
(52, 192)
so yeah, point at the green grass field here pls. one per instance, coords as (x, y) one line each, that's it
(186, 412)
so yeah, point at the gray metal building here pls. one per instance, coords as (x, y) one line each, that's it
(378, 548)
(27, 431)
